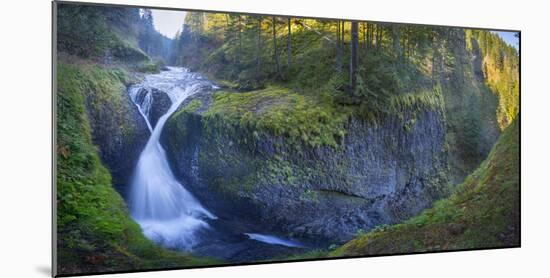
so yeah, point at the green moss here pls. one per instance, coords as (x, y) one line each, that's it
(416, 102)
(191, 107)
(95, 232)
(281, 112)
(482, 213)
(315, 120)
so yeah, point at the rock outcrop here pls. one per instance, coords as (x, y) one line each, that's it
(380, 174)
(159, 103)
(119, 131)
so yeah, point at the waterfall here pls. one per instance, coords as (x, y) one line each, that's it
(167, 213)
(143, 103)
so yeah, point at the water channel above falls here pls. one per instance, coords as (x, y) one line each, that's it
(167, 212)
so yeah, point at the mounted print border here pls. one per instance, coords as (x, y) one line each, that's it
(192, 138)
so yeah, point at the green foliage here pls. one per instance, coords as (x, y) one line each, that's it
(149, 66)
(482, 213)
(150, 40)
(470, 104)
(87, 31)
(401, 106)
(393, 59)
(111, 34)
(95, 232)
(501, 70)
(239, 49)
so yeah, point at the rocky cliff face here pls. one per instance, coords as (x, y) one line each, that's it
(119, 131)
(379, 174)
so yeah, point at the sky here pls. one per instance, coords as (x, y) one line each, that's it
(509, 37)
(168, 22)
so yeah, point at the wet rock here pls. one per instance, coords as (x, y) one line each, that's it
(120, 132)
(158, 103)
(161, 104)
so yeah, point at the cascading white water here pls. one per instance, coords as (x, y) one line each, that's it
(143, 105)
(167, 213)
(269, 239)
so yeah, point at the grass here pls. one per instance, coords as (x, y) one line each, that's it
(95, 231)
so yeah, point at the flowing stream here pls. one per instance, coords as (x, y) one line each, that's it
(168, 213)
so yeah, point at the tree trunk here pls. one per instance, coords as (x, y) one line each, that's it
(354, 59)
(378, 37)
(365, 35)
(240, 39)
(343, 32)
(289, 45)
(396, 36)
(342, 43)
(338, 47)
(371, 35)
(436, 58)
(258, 47)
(275, 53)
(227, 32)
(338, 34)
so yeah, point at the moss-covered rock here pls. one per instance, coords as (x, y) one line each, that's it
(294, 164)
(117, 128)
(314, 120)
